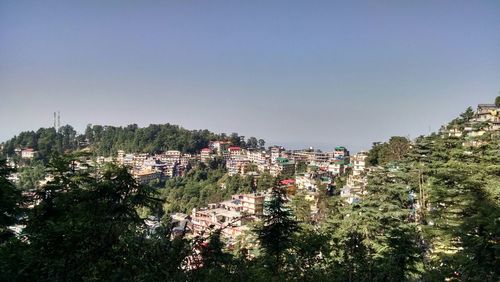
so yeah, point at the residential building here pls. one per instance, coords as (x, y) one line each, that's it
(236, 164)
(487, 113)
(230, 216)
(340, 152)
(28, 153)
(206, 155)
(282, 166)
(172, 156)
(146, 176)
(234, 151)
(256, 156)
(276, 153)
(359, 162)
(337, 167)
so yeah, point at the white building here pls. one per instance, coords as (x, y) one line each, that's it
(359, 162)
(28, 153)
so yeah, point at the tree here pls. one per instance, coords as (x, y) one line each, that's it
(87, 227)
(301, 208)
(9, 202)
(235, 139)
(216, 263)
(374, 154)
(31, 175)
(384, 153)
(262, 143)
(301, 167)
(252, 143)
(467, 115)
(397, 149)
(276, 236)
(497, 101)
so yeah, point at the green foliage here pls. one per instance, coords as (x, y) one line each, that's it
(429, 213)
(107, 140)
(9, 202)
(200, 186)
(392, 151)
(462, 196)
(216, 264)
(467, 115)
(301, 207)
(30, 176)
(301, 167)
(276, 235)
(47, 141)
(86, 227)
(376, 239)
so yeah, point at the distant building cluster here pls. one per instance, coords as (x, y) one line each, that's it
(311, 172)
(485, 119)
(231, 216)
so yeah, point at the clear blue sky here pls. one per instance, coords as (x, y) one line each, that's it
(319, 73)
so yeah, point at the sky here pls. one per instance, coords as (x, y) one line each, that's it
(295, 73)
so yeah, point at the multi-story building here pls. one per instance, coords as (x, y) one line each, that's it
(282, 166)
(256, 157)
(230, 216)
(337, 167)
(301, 155)
(306, 182)
(275, 153)
(206, 155)
(321, 158)
(128, 160)
(236, 164)
(172, 156)
(28, 153)
(359, 162)
(250, 203)
(146, 176)
(120, 156)
(487, 113)
(234, 151)
(340, 152)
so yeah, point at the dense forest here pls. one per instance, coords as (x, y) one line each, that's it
(431, 213)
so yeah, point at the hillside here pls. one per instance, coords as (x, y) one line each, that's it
(429, 212)
(107, 140)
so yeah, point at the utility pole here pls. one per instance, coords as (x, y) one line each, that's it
(58, 119)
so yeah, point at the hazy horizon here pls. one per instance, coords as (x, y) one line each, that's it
(319, 73)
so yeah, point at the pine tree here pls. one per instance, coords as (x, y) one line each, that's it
(9, 202)
(277, 233)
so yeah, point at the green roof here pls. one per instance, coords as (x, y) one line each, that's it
(281, 160)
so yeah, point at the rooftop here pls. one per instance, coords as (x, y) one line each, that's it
(287, 181)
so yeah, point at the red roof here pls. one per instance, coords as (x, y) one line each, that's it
(205, 150)
(287, 181)
(234, 148)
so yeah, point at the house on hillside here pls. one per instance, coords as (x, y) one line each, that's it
(28, 153)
